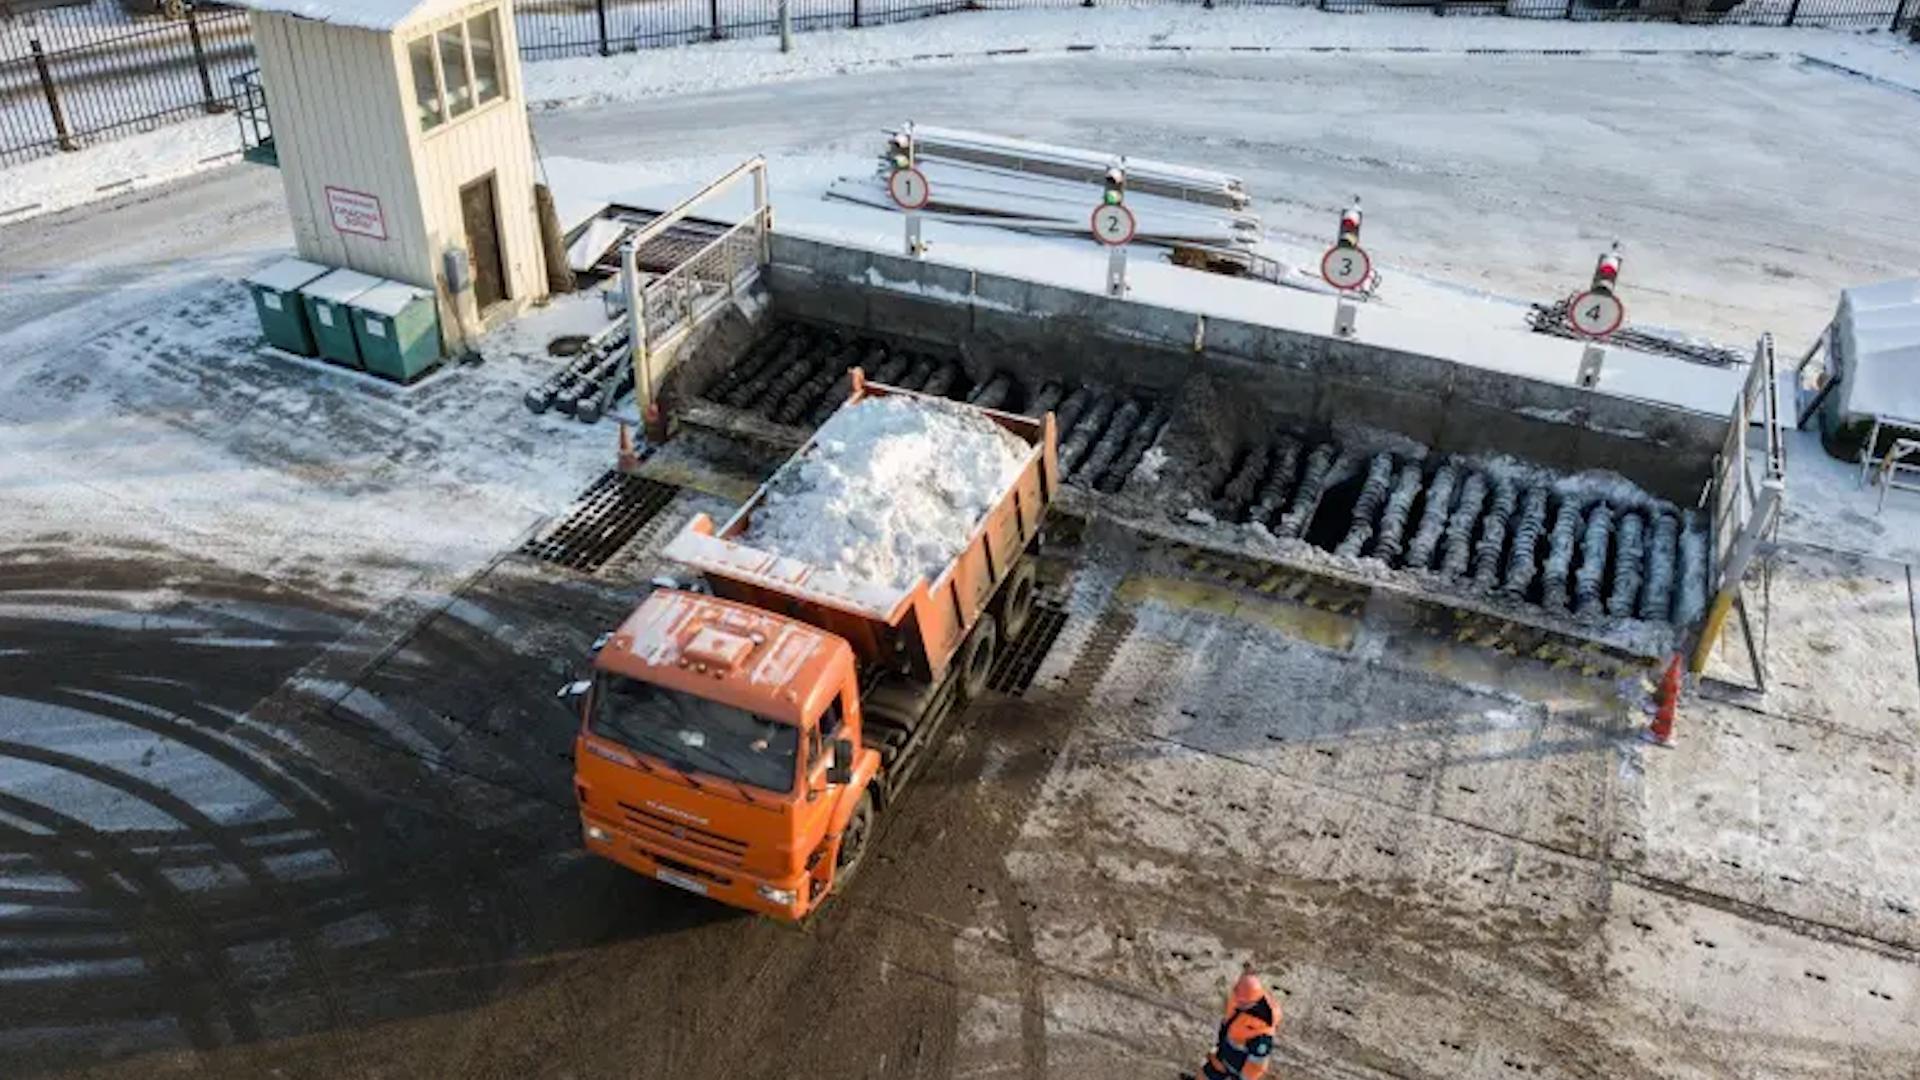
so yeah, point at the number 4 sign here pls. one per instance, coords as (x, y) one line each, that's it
(1595, 313)
(1346, 267)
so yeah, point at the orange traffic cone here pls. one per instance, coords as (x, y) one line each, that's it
(1661, 730)
(627, 460)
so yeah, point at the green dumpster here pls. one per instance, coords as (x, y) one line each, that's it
(327, 313)
(398, 326)
(276, 297)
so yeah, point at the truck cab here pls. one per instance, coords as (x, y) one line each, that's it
(720, 751)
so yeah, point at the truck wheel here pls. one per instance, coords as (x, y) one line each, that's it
(976, 660)
(853, 842)
(1016, 607)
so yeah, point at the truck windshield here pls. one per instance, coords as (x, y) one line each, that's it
(692, 733)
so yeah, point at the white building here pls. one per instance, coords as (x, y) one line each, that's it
(400, 129)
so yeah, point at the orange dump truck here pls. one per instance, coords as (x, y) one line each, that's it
(740, 743)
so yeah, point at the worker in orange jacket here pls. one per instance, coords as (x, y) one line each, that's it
(1246, 1035)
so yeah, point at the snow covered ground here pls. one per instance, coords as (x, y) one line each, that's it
(109, 169)
(967, 37)
(180, 430)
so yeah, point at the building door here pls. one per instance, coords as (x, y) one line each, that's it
(483, 242)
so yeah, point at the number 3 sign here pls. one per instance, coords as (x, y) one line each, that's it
(1346, 267)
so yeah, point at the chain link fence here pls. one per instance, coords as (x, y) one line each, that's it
(76, 73)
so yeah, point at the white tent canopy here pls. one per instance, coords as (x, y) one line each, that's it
(1876, 341)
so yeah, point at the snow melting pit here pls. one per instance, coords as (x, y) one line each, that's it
(1589, 544)
(797, 375)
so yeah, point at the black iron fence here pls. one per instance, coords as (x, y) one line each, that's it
(74, 73)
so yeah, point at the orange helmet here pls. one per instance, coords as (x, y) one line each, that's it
(1247, 989)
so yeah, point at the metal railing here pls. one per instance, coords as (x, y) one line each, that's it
(1746, 497)
(663, 309)
(256, 124)
(79, 74)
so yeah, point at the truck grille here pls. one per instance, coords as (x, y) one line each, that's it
(680, 836)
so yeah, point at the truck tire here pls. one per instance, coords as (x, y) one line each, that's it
(977, 657)
(1016, 601)
(854, 841)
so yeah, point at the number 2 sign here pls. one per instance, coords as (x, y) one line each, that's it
(1113, 224)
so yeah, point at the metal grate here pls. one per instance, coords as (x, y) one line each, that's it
(600, 522)
(1015, 670)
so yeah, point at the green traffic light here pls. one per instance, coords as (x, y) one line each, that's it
(1113, 197)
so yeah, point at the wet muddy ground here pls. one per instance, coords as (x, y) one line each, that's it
(251, 832)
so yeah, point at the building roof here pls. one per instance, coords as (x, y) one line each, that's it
(379, 15)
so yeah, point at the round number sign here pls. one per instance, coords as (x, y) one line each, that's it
(1346, 268)
(1113, 224)
(909, 188)
(1596, 314)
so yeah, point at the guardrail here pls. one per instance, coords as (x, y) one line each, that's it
(1747, 494)
(663, 309)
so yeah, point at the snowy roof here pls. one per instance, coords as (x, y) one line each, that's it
(1878, 331)
(362, 14)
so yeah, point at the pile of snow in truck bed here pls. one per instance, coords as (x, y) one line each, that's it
(888, 491)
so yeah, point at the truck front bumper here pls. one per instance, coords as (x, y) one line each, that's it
(789, 899)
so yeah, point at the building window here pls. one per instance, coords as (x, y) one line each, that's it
(455, 69)
(486, 65)
(426, 87)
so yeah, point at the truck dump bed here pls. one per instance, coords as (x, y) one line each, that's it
(917, 628)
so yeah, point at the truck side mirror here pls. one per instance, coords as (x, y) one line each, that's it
(840, 768)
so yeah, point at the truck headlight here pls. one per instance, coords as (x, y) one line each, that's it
(783, 897)
(599, 835)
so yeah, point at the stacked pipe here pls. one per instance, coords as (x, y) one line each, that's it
(1040, 188)
(564, 388)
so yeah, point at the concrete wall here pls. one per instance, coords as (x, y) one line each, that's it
(1305, 381)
